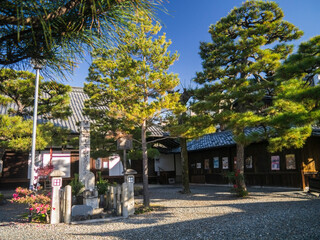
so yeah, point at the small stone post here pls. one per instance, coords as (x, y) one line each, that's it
(128, 193)
(68, 203)
(56, 184)
(108, 202)
(119, 200)
(114, 197)
(111, 197)
(62, 205)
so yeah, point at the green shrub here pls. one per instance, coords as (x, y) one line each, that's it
(102, 185)
(77, 186)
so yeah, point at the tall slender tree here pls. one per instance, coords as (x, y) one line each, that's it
(133, 82)
(187, 126)
(238, 69)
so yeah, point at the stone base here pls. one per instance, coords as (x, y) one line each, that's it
(92, 202)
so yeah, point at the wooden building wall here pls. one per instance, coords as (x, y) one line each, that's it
(307, 162)
(15, 169)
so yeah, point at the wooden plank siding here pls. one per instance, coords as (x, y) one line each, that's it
(261, 173)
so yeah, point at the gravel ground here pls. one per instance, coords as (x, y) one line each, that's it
(210, 212)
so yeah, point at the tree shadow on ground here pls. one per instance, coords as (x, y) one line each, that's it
(222, 193)
(265, 220)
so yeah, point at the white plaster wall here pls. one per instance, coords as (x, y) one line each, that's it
(178, 168)
(165, 162)
(178, 164)
(115, 166)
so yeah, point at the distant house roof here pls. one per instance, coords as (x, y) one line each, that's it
(223, 139)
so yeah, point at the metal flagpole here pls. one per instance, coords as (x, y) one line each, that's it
(37, 66)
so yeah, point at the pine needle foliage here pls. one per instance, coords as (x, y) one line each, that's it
(239, 64)
(61, 31)
(132, 81)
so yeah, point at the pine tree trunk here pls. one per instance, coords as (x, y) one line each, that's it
(240, 165)
(185, 167)
(146, 198)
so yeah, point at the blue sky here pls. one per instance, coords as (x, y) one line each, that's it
(188, 21)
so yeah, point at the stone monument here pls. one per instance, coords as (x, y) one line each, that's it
(90, 194)
(84, 150)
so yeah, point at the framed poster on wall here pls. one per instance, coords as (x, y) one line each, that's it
(290, 161)
(225, 163)
(198, 165)
(248, 162)
(216, 162)
(206, 164)
(275, 162)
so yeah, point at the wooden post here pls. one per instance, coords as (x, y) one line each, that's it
(303, 180)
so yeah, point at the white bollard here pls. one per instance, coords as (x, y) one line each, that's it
(56, 183)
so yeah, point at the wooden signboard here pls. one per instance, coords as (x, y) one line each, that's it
(309, 165)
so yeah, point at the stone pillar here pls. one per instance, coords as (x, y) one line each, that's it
(56, 183)
(84, 150)
(68, 203)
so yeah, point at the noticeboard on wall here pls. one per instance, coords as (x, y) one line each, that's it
(275, 162)
(216, 162)
(225, 163)
(206, 164)
(248, 162)
(198, 165)
(290, 161)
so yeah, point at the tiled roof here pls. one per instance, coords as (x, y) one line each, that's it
(77, 98)
(316, 131)
(223, 139)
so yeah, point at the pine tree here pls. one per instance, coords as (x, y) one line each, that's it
(60, 31)
(296, 107)
(238, 69)
(133, 82)
(187, 126)
(16, 128)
